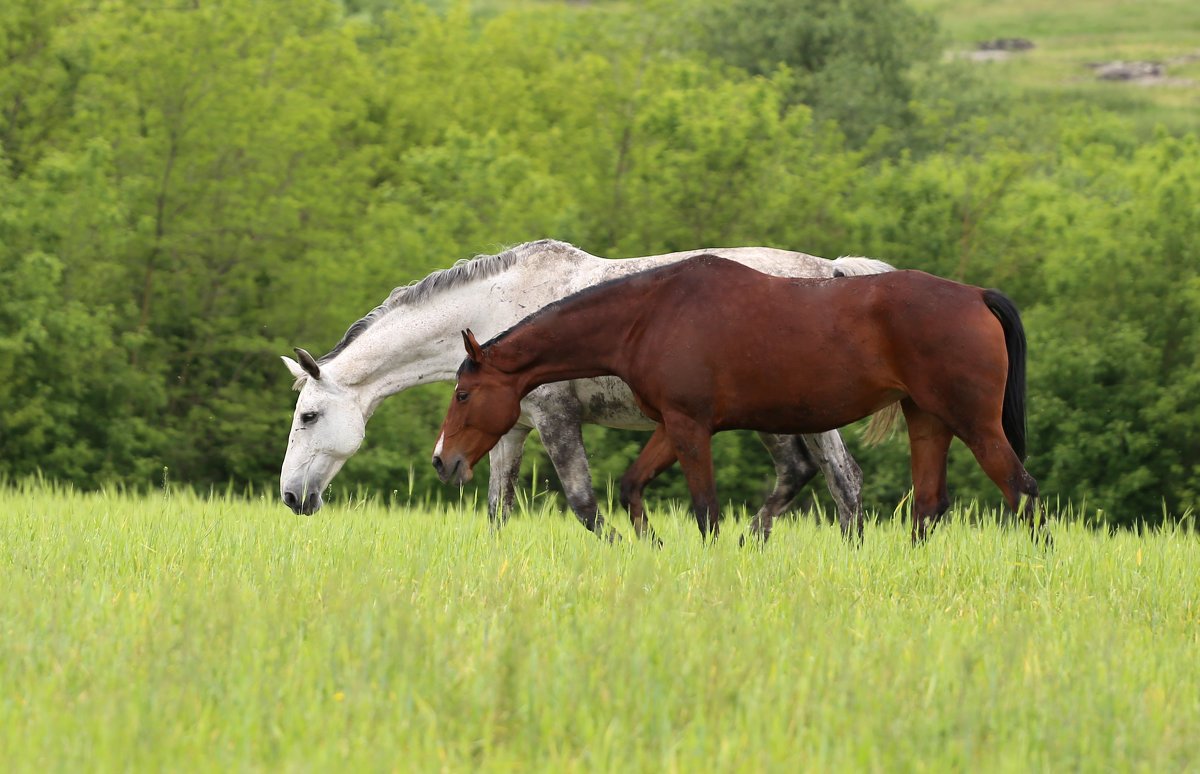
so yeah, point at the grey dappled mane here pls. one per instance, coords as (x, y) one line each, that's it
(479, 267)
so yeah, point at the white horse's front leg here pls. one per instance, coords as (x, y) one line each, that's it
(557, 415)
(505, 464)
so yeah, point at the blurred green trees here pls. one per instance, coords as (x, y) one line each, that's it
(852, 61)
(188, 191)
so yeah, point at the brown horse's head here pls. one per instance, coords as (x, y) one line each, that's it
(485, 406)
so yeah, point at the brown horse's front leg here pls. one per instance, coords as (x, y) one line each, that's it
(656, 456)
(693, 447)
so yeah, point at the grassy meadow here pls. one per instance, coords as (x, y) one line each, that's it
(1071, 35)
(223, 633)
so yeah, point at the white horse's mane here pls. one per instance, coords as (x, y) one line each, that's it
(462, 272)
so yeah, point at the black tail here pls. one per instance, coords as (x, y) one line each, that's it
(1013, 416)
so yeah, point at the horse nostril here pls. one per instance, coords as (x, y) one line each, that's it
(437, 464)
(291, 501)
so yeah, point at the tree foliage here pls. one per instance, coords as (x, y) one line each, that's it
(188, 191)
(852, 61)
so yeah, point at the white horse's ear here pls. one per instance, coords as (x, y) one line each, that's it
(293, 367)
(308, 363)
(474, 351)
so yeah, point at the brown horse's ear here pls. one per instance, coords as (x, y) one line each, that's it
(474, 351)
(308, 363)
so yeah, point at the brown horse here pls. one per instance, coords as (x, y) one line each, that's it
(708, 345)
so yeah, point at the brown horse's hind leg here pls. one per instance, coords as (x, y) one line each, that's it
(1003, 467)
(929, 442)
(656, 456)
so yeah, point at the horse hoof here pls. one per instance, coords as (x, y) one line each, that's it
(758, 537)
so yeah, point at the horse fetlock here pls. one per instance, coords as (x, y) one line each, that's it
(760, 530)
(852, 525)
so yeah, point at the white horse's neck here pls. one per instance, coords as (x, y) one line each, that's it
(421, 342)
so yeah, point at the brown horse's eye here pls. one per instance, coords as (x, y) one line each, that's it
(461, 396)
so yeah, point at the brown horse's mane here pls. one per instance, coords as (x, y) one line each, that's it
(462, 272)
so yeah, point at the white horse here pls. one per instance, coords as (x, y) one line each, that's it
(414, 337)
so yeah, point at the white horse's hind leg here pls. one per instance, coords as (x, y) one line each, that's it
(797, 460)
(793, 469)
(842, 475)
(505, 464)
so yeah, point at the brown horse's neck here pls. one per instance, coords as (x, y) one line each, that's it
(553, 346)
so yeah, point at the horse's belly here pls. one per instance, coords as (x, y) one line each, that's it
(815, 407)
(789, 420)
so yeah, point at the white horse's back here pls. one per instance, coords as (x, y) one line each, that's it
(855, 266)
(769, 260)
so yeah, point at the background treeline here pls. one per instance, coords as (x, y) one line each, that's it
(190, 188)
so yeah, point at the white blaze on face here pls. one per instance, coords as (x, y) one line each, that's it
(437, 449)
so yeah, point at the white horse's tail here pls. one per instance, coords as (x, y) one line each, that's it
(882, 424)
(852, 266)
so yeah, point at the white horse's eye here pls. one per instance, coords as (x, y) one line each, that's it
(308, 417)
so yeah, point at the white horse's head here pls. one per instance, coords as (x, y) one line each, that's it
(327, 428)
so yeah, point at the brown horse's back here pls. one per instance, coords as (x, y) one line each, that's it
(799, 356)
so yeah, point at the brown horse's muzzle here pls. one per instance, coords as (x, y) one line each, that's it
(455, 469)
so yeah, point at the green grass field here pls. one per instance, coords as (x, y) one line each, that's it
(1070, 35)
(174, 632)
